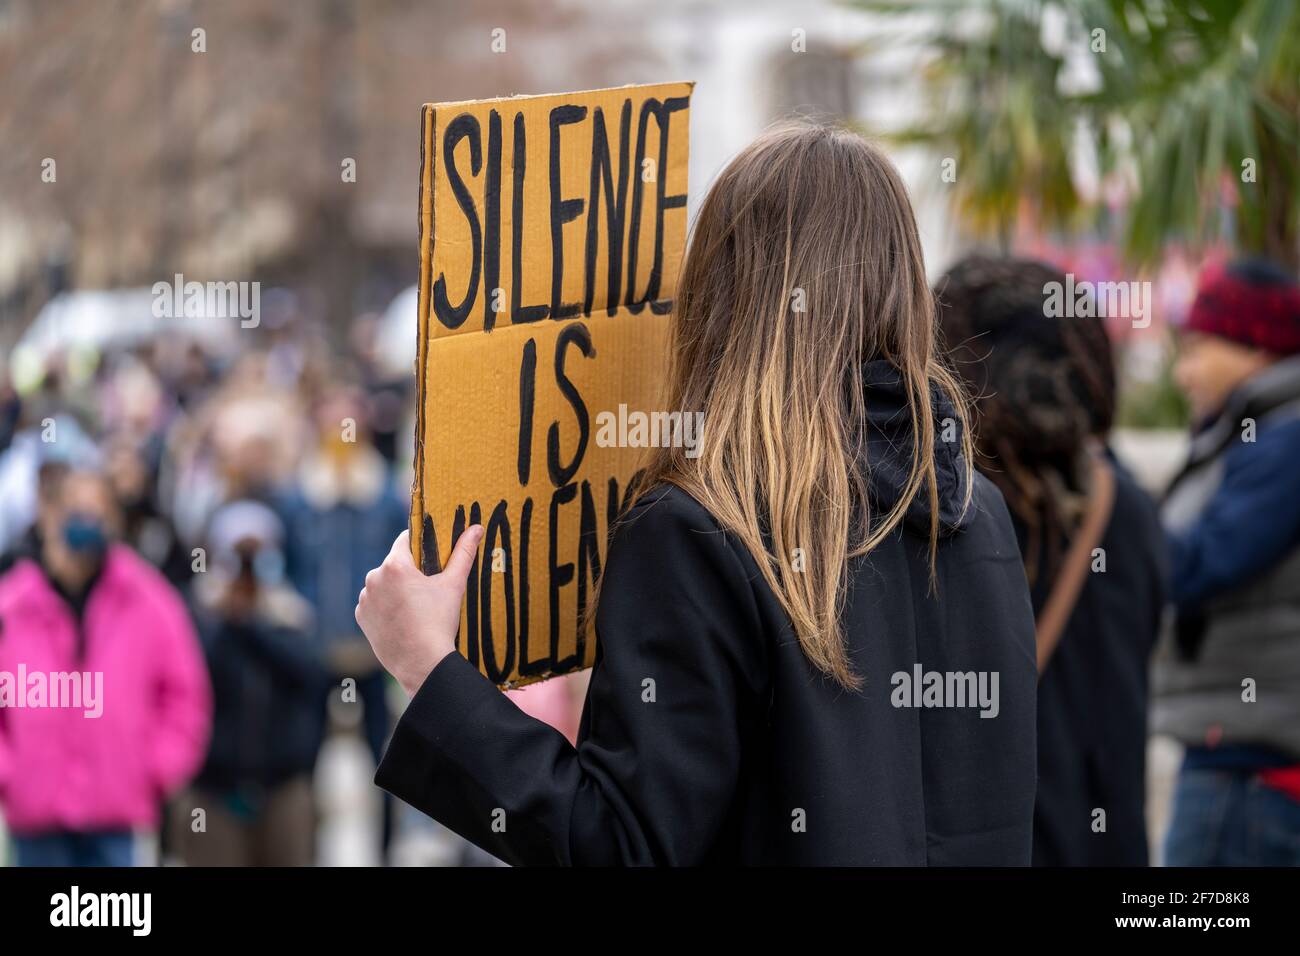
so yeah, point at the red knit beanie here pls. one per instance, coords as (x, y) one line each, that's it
(1250, 301)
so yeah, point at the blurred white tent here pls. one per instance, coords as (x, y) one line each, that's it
(94, 320)
(398, 332)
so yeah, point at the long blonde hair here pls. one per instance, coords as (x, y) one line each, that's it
(804, 263)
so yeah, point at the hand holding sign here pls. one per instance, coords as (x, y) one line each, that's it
(411, 619)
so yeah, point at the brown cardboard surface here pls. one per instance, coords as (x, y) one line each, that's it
(536, 316)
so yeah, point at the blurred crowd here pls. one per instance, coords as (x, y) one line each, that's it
(195, 524)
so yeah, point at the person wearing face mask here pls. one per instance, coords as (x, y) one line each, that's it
(268, 678)
(124, 718)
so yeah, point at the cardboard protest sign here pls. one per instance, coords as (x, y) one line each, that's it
(551, 234)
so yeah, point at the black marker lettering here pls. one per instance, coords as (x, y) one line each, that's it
(519, 314)
(498, 529)
(527, 396)
(562, 210)
(492, 223)
(662, 112)
(576, 333)
(588, 564)
(677, 201)
(461, 127)
(560, 575)
(615, 206)
(527, 668)
(470, 647)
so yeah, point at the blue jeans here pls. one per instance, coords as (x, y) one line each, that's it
(108, 848)
(1229, 818)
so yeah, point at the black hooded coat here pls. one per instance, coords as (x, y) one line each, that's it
(708, 738)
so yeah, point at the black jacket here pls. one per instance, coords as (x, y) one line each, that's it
(746, 754)
(269, 684)
(1092, 701)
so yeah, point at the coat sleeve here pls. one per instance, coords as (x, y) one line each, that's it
(182, 703)
(675, 688)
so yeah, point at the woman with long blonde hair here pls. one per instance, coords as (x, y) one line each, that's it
(828, 600)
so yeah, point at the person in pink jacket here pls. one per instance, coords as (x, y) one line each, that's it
(105, 706)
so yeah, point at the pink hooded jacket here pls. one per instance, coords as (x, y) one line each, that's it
(62, 768)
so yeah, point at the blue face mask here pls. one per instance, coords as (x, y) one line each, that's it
(85, 535)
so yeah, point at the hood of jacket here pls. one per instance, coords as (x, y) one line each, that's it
(890, 441)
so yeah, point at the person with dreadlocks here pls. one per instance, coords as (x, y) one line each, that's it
(1093, 550)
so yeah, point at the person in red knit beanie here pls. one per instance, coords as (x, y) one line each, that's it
(1246, 315)
(1228, 685)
